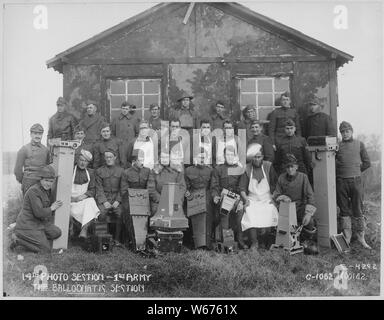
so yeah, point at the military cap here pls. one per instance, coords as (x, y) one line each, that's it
(184, 94)
(86, 154)
(345, 126)
(313, 101)
(61, 101)
(220, 102)
(110, 151)
(285, 94)
(78, 128)
(47, 172)
(290, 123)
(290, 159)
(37, 127)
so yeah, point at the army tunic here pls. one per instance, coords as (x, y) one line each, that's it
(92, 126)
(61, 125)
(266, 143)
(34, 227)
(155, 124)
(299, 190)
(125, 127)
(30, 158)
(199, 177)
(160, 176)
(108, 184)
(217, 121)
(296, 146)
(319, 124)
(278, 119)
(104, 145)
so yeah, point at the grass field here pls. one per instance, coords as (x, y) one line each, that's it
(196, 273)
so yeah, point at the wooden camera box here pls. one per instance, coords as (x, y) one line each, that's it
(100, 243)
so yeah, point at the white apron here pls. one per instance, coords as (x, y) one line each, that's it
(260, 213)
(85, 210)
(147, 148)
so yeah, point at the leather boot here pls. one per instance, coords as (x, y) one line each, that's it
(309, 238)
(254, 240)
(346, 227)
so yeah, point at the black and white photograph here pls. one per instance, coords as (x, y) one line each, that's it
(191, 150)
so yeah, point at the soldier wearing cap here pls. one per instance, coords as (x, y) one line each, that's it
(92, 123)
(279, 117)
(351, 160)
(198, 177)
(249, 115)
(30, 158)
(258, 137)
(318, 123)
(108, 191)
(135, 177)
(34, 228)
(79, 135)
(61, 124)
(227, 176)
(169, 170)
(188, 117)
(107, 142)
(83, 205)
(146, 141)
(292, 144)
(125, 126)
(294, 186)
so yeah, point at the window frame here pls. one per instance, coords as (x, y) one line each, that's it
(126, 95)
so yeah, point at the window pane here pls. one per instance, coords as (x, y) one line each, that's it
(147, 114)
(136, 100)
(118, 86)
(150, 99)
(134, 86)
(151, 86)
(114, 114)
(264, 85)
(263, 113)
(265, 99)
(116, 102)
(248, 85)
(277, 99)
(281, 84)
(246, 99)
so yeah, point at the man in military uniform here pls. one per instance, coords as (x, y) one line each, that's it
(92, 123)
(260, 138)
(108, 192)
(278, 118)
(218, 116)
(30, 158)
(249, 114)
(294, 186)
(228, 176)
(125, 126)
(62, 124)
(34, 229)
(135, 177)
(198, 177)
(292, 144)
(351, 160)
(188, 117)
(107, 142)
(166, 171)
(79, 135)
(154, 119)
(318, 123)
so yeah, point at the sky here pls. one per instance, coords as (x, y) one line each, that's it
(30, 90)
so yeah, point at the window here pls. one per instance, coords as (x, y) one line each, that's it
(262, 92)
(140, 92)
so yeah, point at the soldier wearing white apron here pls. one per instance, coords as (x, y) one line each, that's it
(256, 187)
(83, 205)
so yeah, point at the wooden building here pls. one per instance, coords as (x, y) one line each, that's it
(215, 51)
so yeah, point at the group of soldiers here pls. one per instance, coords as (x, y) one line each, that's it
(134, 153)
